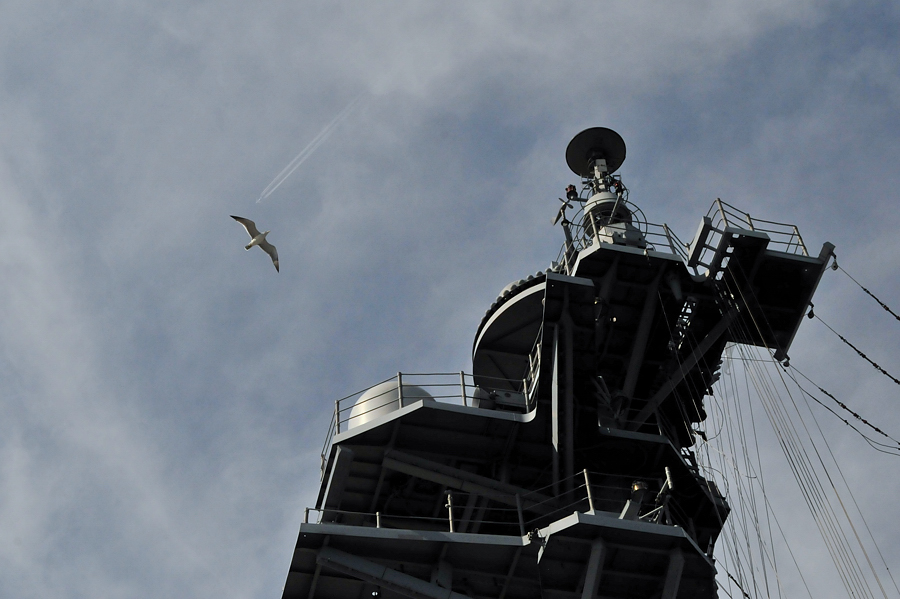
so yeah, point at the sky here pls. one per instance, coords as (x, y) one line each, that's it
(165, 394)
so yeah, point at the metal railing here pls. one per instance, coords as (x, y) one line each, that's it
(530, 383)
(658, 238)
(784, 236)
(590, 492)
(403, 389)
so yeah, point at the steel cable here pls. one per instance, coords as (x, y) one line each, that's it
(861, 354)
(845, 548)
(872, 295)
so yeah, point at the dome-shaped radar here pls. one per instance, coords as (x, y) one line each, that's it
(383, 399)
(594, 143)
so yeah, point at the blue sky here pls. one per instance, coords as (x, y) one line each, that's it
(165, 394)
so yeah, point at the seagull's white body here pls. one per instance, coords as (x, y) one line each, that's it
(257, 238)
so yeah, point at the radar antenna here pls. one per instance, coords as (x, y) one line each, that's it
(595, 154)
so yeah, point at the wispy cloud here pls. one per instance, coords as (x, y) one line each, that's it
(164, 400)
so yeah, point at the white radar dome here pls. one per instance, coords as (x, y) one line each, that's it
(383, 399)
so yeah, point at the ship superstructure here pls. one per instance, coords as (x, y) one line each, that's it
(562, 466)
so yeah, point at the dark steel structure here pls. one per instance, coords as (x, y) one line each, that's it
(562, 467)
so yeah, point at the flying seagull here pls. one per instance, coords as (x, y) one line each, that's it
(257, 238)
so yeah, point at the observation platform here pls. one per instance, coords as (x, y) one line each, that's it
(561, 467)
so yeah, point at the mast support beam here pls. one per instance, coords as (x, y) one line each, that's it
(684, 368)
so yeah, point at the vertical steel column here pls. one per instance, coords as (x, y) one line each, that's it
(554, 410)
(400, 389)
(569, 414)
(337, 416)
(450, 508)
(722, 212)
(462, 385)
(673, 574)
(587, 486)
(639, 347)
(594, 570)
(519, 512)
(563, 406)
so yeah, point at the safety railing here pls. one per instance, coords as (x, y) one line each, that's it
(783, 236)
(626, 497)
(458, 388)
(656, 237)
(530, 383)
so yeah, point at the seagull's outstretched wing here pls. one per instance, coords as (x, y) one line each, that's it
(249, 225)
(270, 249)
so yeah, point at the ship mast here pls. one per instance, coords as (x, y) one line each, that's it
(562, 466)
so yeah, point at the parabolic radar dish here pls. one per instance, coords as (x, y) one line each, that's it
(594, 143)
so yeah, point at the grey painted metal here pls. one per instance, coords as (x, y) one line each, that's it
(395, 580)
(642, 336)
(337, 479)
(587, 486)
(315, 581)
(462, 386)
(594, 569)
(377, 493)
(396, 536)
(520, 515)
(569, 395)
(822, 260)
(509, 573)
(673, 574)
(563, 405)
(555, 409)
(714, 335)
(449, 507)
(592, 345)
(467, 482)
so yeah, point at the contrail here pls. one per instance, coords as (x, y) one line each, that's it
(307, 151)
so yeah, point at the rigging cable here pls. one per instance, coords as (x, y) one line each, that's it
(730, 541)
(686, 422)
(880, 303)
(828, 475)
(871, 442)
(753, 503)
(862, 355)
(738, 585)
(738, 447)
(831, 482)
(734, 396)
(798, 459)
(813, 491)
(814, 494)
(866, 524)
(769, 513)
(841, 551)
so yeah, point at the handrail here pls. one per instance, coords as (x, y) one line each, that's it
(783, 235)
(456, 388)
(658, 237)
(534, 368)
(613, 496)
